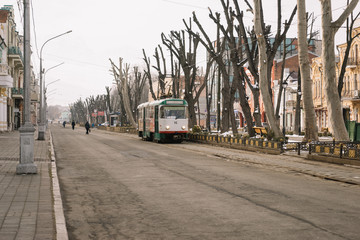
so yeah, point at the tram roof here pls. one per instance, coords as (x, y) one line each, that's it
(167, 101)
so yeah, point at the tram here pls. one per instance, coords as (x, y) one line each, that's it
(164, 120)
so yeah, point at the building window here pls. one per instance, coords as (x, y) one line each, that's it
(355, 82)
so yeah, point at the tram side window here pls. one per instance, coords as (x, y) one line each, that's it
(140, 113)
(151, 112)
(173, 112)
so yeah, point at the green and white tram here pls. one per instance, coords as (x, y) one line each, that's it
(164, 120)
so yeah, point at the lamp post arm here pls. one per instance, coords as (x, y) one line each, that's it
(53, 67)
(52, 39)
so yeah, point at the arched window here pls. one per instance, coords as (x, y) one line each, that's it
(355, 82)
(356, 54)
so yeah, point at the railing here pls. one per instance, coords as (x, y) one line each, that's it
(15, 51)
(350, 150)
(296, 147)
(241, 143)
(17, 91)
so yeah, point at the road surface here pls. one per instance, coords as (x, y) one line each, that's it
(115, 186)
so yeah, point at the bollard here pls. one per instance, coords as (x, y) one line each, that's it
(341, 149)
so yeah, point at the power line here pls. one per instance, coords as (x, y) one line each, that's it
(33, 20)
(19, 3)
(184, 4)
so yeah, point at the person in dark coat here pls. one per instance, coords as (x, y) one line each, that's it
(87, 126)
(73, 124)
(64, 123)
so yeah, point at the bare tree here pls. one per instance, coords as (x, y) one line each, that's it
(266, 55)
(148, 75)
(251, 52)
(228, 89)
(329, 28)
(161, 92)
(138, 87)
(311, 131)
(186, 54)
(263, 66)
(78, 111)
(121, 76)
(108, 103)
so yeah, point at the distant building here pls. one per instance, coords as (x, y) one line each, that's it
(291, 68)
(65, 116)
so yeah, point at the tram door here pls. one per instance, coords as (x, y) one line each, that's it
(157, 119)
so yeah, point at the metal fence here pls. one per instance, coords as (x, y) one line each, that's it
(349, 150)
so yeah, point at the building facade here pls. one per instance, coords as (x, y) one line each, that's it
(11, 75)
(350, 95)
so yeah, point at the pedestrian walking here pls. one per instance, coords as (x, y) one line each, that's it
(87, 126)
(73, 124)
(64, 123)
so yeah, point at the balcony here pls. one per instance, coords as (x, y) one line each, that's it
(17, 93)
(15, 56)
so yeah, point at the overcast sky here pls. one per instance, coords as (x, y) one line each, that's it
(118, 28)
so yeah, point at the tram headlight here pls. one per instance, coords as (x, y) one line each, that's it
(167, 127)
(183, 127)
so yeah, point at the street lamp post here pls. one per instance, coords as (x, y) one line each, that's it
(45, 100)
(284, 84)
(41, 128)
(26, 164)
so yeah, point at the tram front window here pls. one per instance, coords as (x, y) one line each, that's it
(173, 112)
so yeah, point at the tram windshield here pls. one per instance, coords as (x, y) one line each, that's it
(172, 112)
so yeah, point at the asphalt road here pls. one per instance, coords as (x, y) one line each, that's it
(115, 186)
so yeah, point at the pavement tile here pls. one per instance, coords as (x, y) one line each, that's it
(26, 205)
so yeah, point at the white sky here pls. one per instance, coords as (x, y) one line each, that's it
(119, 28)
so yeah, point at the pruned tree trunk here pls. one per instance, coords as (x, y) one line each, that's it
(122, 77)
(263, 68)
(329, 28)
(148, 75)
(311, 131)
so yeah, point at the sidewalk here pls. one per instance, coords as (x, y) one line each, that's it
(26, 201)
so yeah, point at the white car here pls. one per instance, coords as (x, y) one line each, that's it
(106, 124)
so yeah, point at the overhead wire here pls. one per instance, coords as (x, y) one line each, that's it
(34, 28)
(101, 66)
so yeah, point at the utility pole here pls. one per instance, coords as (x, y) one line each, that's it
(26, 165)
(42, 125)
(218, 50)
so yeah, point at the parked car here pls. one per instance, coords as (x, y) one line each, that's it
(106, 124)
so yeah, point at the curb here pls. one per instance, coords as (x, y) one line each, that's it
(60, 224)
